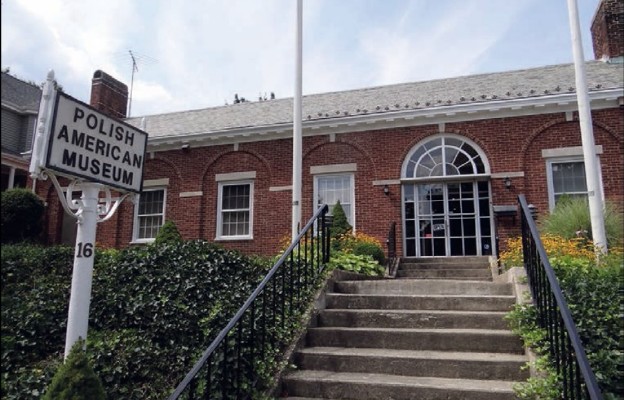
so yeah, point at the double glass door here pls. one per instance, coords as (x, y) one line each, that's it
(447, 219)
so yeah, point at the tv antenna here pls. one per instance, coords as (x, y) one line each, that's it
(136, 58)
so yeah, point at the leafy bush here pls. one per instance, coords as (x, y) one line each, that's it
(362, 264)
(590, 287)
(571, 219)
(20, 215)
(370, 249)
(153, 310)
(75, 379)
(591, 291)
(340, 224)
(168, 234)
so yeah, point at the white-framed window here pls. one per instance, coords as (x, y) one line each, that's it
(149, 214)
(331, 188)
(566, 178)
(235, 210)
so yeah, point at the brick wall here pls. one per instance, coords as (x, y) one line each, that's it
(108, 95)
(608, 29)
(510, 145)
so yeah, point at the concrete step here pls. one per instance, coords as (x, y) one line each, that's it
(446, 273)
(420, 302)
(413, 319)
(345, 385)
(443, 265)
(458, 365)
(465, 278)
(476, 340)
(420, 287)
(469, 260)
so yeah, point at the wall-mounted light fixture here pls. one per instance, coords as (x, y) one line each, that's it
(386, 190)
(186, 147)
(507, 183)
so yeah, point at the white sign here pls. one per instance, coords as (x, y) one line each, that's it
(85, 143)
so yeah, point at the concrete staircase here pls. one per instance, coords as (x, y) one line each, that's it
(435, 333)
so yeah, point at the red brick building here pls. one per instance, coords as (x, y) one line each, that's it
(443, 159)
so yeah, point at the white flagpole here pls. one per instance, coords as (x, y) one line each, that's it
(587, 134)
(297, 139)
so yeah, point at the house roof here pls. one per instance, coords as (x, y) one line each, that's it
(21, 96)
(543, 82)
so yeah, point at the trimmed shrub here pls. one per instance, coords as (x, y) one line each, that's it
(153, 310)
(168, 234)
(590, 289)
(591, 292)
(369, 249)
(340, 224)
(75, 379)
(20, 216)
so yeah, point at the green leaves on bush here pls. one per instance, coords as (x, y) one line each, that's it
(75, 379)
(21, 214)
(340, 224)
(369, 249)
(592, 292)
(362, 264)
(593, 295)
(168, 234)
(153, 310)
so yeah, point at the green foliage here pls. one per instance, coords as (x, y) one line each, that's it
(20, 216)
(75, 379)
(590, 291)
(154, 309)
(571, 219)
(362, 264)
(370, 249)
(546, 385)
(168, 234)
(340, 224)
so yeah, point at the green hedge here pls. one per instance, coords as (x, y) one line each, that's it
(153, 310)
(593, 293)
(20, 216)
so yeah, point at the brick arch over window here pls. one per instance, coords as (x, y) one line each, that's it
(338, 152)
(445, 155)
(560, 133)
(230, 162)
(153, 168)
(560, 121)
(210, 164)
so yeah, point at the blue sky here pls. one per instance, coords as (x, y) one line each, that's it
(194, 54)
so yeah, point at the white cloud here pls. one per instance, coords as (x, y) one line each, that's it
(196, 54)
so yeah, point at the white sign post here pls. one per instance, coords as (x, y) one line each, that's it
(95, 152)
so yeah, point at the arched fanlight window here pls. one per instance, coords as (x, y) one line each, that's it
(444, 156)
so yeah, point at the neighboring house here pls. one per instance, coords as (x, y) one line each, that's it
(20, 105)
(443, 159)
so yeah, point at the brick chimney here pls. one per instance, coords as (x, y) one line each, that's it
(608, 30)
(108, 95)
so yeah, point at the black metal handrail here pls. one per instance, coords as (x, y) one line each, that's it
(227, 369)
(565, 347)
(392, 252)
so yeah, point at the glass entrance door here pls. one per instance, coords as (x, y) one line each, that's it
(447, 219)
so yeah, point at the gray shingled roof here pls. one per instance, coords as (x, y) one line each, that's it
(526, 83)
(19, 94)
